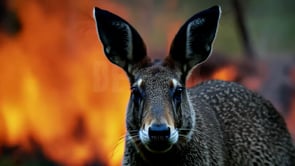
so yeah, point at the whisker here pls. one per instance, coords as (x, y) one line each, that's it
(182, 135)
(185, 129)
(122, 137)
(130, 135)
(115, 148)
(199, 133)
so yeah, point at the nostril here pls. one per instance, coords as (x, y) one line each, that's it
(159, 132)
(159, 138)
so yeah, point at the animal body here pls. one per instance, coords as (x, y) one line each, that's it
(213, 123)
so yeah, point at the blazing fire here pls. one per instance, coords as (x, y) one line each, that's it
(227, 73)
(58, 89)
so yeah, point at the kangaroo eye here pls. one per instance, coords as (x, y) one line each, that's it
(136, 95)
(177, 94)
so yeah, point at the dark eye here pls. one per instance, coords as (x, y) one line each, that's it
(177, 95)
(136, 95)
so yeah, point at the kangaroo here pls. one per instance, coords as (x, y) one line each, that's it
(213, 123)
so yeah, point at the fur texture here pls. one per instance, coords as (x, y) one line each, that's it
(214, 123)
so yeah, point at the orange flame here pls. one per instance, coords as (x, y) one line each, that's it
(291, 117)
(58, 88)
(226, 73)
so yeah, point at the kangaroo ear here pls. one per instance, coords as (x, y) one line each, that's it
(193, 42)
(122, 44)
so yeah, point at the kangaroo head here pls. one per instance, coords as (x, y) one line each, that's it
(159, 113)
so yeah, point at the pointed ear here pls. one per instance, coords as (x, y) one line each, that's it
(122, 44)
(193, 42)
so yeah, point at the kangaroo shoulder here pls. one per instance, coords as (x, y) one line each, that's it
(234, 103)
(217, 93)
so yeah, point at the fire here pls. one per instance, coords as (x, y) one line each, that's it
(58, 89)
(291, 117)
(226, 73)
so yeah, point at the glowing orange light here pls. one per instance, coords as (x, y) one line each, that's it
(58, 89)
(226, 73)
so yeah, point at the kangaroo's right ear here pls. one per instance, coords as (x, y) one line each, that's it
(122, 44)
(193, 42)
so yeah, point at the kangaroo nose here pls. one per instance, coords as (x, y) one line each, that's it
(159, 132)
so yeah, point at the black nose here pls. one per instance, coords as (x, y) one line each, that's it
(159, 132)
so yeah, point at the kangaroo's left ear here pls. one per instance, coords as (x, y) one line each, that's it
(193, 42)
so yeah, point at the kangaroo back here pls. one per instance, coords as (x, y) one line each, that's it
(214, 123)
(253, 131)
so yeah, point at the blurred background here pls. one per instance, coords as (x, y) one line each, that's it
(63, 103)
